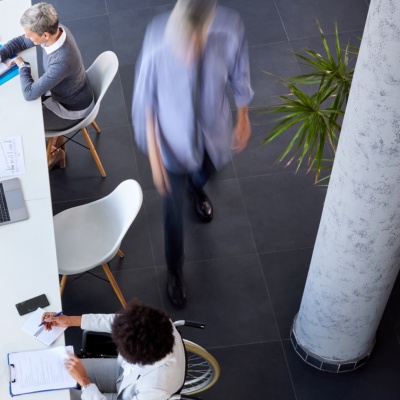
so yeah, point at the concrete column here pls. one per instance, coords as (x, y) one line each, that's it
(356, 256)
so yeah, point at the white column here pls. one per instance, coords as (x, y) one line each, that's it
(356, 255)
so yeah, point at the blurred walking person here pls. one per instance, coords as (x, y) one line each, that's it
(181, 112)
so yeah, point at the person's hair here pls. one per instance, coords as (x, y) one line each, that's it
(142, 334)
(197, 12)
(40, 18)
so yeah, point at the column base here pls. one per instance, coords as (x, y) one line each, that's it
(324, 364)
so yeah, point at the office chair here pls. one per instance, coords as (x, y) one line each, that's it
(101, 73)
(90, 235)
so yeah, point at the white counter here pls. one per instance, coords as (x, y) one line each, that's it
(28, 258)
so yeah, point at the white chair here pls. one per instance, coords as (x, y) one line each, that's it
(90, 235)
(101, 73)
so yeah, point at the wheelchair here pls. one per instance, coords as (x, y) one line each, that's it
(202, 369)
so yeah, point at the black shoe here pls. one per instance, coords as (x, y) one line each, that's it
(202, 205)
(176, 289)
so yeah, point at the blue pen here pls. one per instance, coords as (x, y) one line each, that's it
(55, 315)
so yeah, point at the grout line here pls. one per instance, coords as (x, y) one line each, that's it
(280, 18)
(228, 346)
(277, 327)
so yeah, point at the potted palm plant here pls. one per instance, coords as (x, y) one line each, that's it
(316, 117)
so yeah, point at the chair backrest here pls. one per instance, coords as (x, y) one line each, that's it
(101, 73)
(91, 234)
(122, 205)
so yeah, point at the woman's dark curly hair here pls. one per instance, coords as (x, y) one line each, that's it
(143, 335)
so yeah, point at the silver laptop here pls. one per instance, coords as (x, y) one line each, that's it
(12, 202)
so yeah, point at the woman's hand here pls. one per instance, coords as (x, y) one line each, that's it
(62, 320)
(77, 370)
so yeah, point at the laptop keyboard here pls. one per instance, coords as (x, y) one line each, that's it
(4, 214)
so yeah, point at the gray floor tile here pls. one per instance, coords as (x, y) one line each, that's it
(67, 9)
(230, 297)
(227, 235)
(299, 17)
(280, 218)
(128, 28)
(91, 40)
(261, 20)
(250, 372)
(285, 275)
(115, 6)
(268, 64)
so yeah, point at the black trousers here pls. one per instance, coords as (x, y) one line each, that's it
(173, 211)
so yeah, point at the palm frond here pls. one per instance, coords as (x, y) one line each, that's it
(312, 120)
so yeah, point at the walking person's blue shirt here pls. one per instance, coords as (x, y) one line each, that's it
(164, 84)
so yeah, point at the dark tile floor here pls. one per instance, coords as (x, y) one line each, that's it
(246, 270)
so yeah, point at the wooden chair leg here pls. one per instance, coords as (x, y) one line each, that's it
(49, 146)
(96, 127)
(94, 152)
(120, 253)
(63, 283)
(114, 284)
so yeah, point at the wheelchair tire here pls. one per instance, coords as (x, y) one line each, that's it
(202, 369)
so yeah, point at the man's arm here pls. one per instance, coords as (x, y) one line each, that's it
(32, 90)
(242, 130)
(160, 177)
(239, 78)
(15, 46)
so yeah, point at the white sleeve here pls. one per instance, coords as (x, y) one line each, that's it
(97, 322)
(92, 393)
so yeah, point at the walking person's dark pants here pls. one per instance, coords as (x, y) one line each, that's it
(173, 211)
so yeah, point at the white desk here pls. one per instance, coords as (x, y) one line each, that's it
(28, 264)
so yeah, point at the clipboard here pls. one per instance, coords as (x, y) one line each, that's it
(11, 73)
(39, 371)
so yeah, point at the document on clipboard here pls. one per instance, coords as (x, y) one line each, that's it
(40, 370)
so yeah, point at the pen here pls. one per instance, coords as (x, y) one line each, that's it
(55, 315)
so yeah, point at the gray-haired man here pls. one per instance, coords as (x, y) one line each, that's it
(64, 86)
(182, 115)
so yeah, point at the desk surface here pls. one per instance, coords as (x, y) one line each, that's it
(28, 256)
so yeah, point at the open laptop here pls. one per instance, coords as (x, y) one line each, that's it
(12, 202)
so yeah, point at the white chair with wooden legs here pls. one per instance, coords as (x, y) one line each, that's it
(101, 73)
(90, 235)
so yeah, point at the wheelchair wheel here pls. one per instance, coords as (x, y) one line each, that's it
(202, 369)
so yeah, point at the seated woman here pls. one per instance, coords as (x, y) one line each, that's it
(151, 362)
(64, 87)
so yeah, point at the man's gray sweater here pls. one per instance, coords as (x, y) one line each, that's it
(64, 73)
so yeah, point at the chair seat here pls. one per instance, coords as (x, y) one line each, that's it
(76, 252)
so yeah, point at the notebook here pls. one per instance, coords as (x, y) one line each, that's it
(12, 202)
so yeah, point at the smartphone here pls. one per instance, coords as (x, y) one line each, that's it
(32, 304)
